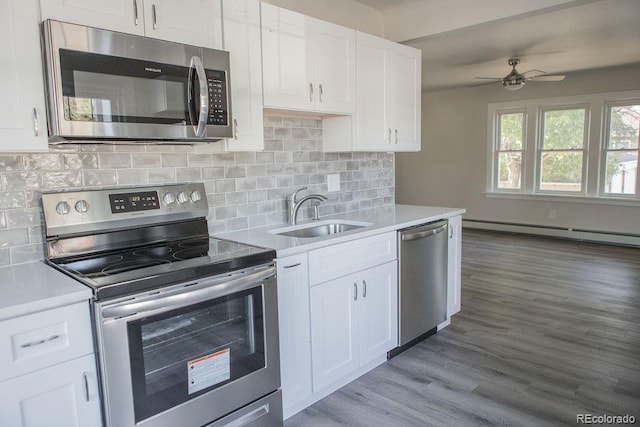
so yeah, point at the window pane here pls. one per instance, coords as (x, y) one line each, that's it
(511, 131)
(622, 170)
(561, 171)
(624, 126)
(510, 170)
(564, 129)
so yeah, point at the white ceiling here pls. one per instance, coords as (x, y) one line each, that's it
(574, 36)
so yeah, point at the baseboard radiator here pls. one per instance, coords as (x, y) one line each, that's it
(626, 239)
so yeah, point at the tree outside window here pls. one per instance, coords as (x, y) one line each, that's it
(509, 150)
(563, 150)
(621, 153)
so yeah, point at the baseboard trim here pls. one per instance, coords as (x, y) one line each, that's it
(614, 238)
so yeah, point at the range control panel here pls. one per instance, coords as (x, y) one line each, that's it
(119, 208)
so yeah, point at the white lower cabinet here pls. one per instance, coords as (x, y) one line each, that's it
(62, 395)
(295, 338)
(353, 321)
(454, 280)
(48, 374)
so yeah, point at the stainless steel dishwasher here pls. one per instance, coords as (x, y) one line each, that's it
(422, 252)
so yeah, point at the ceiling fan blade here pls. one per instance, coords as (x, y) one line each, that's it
(548, 78)
(497, 79)
(485, 84)
(534, 72)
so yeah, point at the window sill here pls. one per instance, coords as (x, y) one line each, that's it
(564, 198)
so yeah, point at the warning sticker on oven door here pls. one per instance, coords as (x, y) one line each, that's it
(209, 370)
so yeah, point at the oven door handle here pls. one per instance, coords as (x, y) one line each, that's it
(189, 296)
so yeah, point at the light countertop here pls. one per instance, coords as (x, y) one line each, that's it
(383, 219)
(35, 286)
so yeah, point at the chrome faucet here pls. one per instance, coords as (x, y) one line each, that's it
(294, 204)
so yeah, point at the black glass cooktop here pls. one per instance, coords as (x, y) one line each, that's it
(132, 270)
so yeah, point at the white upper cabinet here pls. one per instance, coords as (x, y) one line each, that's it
(196, 22)
(23, 125)
(241, 27)
(389, 95)
(308, 64)
(117, 15)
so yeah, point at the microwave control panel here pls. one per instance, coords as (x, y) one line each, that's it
(218, 101)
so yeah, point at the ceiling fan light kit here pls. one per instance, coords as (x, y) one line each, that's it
(515, 80)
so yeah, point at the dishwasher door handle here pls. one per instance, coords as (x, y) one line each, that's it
(424, 233)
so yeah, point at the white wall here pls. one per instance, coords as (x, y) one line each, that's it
(451, 168)
(342, 12)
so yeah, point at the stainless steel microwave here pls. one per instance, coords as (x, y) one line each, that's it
(107, 86)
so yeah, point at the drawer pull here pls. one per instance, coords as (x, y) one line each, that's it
(292, 265)
(39, 342)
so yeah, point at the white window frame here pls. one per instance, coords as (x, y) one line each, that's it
(605, 150)
(585, 148)
(496, 150)
(596, 130)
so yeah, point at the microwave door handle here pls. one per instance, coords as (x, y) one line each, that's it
(200, 128)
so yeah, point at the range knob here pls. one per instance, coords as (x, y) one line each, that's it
(82, 206)
(169, 198)
(62, 208)
(182, 197)
(195, 196)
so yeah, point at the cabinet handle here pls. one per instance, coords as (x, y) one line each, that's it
(155, 17)
(389, 136)
(355, 291)
(310, 92)
(292, 265)
(450, 232)
(396, 136)
(86, 385)
(364, 289)
(36, 129)
(135, 12)
(321, 92)
(39, 342)
(235, 129)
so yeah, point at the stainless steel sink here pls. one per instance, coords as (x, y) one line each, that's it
(323, 228)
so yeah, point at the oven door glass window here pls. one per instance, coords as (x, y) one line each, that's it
(183, 353)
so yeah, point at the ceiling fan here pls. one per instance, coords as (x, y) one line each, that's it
(515, 80)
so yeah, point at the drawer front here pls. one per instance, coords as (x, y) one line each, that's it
(345, 258)
(39, 340)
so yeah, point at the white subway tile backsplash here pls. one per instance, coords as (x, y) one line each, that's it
(244, 189)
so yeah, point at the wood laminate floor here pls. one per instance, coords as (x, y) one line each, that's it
(548, 329)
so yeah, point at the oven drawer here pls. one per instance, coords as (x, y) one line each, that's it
(40, 340)
(265, 412)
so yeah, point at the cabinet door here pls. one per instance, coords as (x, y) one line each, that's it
(116, 15)
(454, 279)
(405, 98)
(196, 22)
(373, 126)
(334, 330)
(287, 79)
(241, 22)
(333, 54)
(63, 395)
(378, 311)
(294, 328)
(23, 125)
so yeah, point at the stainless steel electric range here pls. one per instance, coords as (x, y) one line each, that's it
(186, 325)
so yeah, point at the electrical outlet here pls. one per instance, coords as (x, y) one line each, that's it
(552, 213)
(333, 182)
